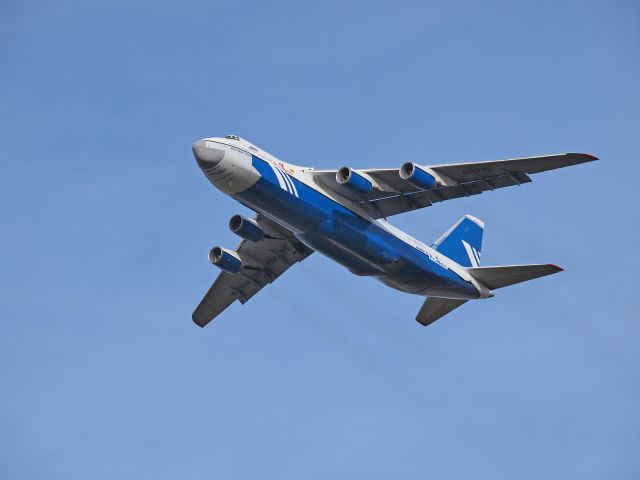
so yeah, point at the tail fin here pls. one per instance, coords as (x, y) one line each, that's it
(498, 277)
(462, 243)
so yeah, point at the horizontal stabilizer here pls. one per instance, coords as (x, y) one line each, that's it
(498, 277)
(435, 308)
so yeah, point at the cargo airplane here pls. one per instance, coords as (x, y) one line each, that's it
(342, 214)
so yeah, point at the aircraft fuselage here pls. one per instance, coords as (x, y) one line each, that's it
(334, 226)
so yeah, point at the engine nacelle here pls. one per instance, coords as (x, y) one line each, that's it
(417, 176)
(225, 260)
(353, 180)
(245, 228)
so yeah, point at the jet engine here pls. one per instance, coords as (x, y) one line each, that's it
(245, 228)
(225, 260)
(353, 180)
(417, 176)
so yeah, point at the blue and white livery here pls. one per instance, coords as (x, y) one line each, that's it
(342, 214)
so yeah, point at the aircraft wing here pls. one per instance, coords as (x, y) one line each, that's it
(391, 194)
(265, 261)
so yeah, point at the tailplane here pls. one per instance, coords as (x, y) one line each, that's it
(462, 243)
(498, 277)
(435, 308)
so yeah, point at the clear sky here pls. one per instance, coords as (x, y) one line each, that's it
(107, 221)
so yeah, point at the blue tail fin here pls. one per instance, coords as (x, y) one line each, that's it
(462, 243)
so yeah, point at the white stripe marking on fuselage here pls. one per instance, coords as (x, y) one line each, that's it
(293, 187)
(287, 180)
(281, 181)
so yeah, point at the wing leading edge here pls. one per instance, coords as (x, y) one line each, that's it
(266, 260)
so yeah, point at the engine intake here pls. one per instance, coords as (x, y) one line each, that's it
(245, 228)
(353, 180)
(225, 260)
(417, 176)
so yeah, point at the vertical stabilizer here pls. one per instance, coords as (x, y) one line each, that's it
(462, 243)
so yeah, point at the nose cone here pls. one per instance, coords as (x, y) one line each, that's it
(206, 156)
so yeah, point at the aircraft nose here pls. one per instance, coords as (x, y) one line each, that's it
(206, 156)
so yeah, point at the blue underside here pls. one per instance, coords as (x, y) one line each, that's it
(360, 245)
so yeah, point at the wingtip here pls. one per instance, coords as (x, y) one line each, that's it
(587, 156)
(558, 269)
(422, 323)
(198, 321)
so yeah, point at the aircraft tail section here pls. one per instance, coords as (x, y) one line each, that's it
(462, 243)
(503, 276)
(435, 308)
(493, 278)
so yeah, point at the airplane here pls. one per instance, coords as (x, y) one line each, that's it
(342, 214)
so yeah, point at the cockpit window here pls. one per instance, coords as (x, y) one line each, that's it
(232, 137)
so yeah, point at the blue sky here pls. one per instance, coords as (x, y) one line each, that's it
(107, 222)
